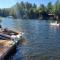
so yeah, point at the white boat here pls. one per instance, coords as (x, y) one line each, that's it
(55, 23)
(9, 16)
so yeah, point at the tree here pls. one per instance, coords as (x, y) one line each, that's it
(50, 8)
(57, 6)
(42, 8)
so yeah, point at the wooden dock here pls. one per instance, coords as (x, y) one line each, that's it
(5, 47)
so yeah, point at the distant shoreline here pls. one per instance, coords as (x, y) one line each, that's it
(28, 18)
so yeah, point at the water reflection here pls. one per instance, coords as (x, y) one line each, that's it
(54, 25)
(42, 40)
(7, 23)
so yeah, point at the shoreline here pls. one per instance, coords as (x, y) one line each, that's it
(29, 18)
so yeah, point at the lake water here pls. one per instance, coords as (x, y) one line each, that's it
(42, 39)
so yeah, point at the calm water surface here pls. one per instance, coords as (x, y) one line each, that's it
(42, 39)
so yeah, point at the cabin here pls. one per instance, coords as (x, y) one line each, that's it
(51, 16)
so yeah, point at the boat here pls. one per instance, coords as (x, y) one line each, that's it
(9, 16)
(8, 41)
(10, 34)
(55, 24)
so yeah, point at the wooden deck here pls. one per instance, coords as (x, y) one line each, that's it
(5, 48)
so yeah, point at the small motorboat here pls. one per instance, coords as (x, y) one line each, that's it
(55, 23)
(9, 34)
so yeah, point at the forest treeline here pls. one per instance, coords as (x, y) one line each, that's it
(26, 10)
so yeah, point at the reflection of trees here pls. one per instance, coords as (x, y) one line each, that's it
(17, 25)
(58, 21)
(0, 21)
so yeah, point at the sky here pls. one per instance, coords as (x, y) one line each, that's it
(10, 3)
